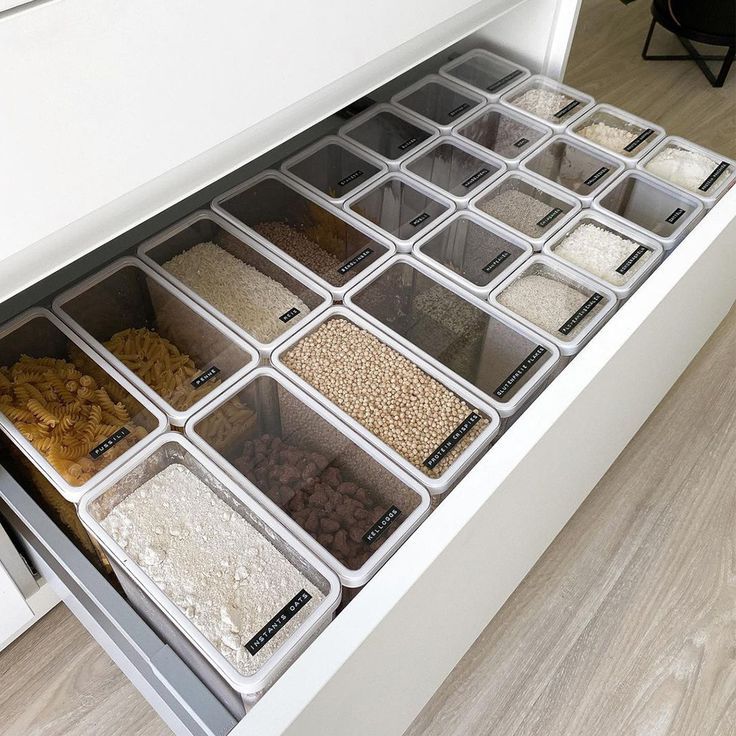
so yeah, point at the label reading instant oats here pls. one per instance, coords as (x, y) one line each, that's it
(278, 622)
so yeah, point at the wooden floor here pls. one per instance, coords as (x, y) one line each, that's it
(627, 625)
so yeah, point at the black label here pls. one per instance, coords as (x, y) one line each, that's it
(419, 219)
(459, 432)
(497, 261)
(521, 142)
(503, 81)
(476, 177)
(350, 177)
(638, 140)
(551, 215)
(457, 110)
(354, 261)
(286, 316)
(676, 215)
(519, 371)
(568, 108)
(278, 622)
(381, 525)
(209, 373)
(708, 183)
(631, 259)
(588, 307)
(407, 144)
(595, 177)
(111, 441)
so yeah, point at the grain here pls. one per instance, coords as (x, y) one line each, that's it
(544, 102)
(519, 210)
(613, 137)
(687, 169)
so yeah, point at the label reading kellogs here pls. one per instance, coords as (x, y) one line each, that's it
(278, 622)
(457, 110)
(408, 143)
(521, 142)
(499, 84)
(593, 178)
(458, 433)
(676, 215)
(551, 215)
(475, 178)
(419, 219)
(519, 371)
(638, 140)
(568, 108)
(585, 310)
(288, 316)
(381, 525)
(111, 441)
(350, 177)
(713, 176)
(631, 259)
(497, 261)
(206, 376)
(354, 261)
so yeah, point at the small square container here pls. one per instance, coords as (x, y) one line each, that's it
(454, 168)
(664, 213)
(473, 252)
(620, 257)
(582, 170)
(556, 294)
(444, 450)
(388, 133)
(479, 347)
(271, 652)
(401, 208)
(365, 507)
(160, 340)
(617, 132)
(264, 285)
(484, 72)
(313, 236)
(438, 101)
(333, 168)
(503, 132)
(529, 206)
(74, 417)
(691, 168)
(551, 102)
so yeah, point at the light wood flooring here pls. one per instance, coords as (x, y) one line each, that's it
(627, 625)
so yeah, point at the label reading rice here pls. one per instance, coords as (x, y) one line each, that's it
(111, 441)
(631, 259)
(521, 142)
(504, 80)
(676, 215)
(408, 143)
(568, 108)
(457, 110)
(287, 316)
(206, 376)
(519, 371)
(354, 261)
(496, 262)
(638, 140)
(593, 178)
(475, 178)
(583, 312)
(381, 525)
(457, 435)
(350, 177)
(713, 176)
(278, 622)
(551, 215)
(419, 219)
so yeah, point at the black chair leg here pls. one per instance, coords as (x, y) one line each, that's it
(727, 61)
(648, 41)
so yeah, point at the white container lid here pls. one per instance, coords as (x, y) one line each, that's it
(486, 73)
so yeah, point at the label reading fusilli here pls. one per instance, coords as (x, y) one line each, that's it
(111, 441)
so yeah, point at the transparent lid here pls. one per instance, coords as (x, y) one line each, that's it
(141, 320)
(485, 72)
(548, 100)
(617, 131)
(453, 168)
(438, 100)
(75, 415)
(334, 490)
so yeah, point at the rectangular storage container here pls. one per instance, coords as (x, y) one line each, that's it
(74, 417)
(440, 453)
(317, 476)
(160, 340)
(236, 690)
(527, 205)
(570, 164)
(264, 301)
(401, 208)
(473, 252)
(315, 237)
(454, 168)
(664, 213)
(621, 266)
(508, 134)
(568, 312)
(484, 72)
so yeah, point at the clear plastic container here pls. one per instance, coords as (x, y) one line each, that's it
(325, 484)
(388, 133)
(617, 132)
(334, 168)
(507, 134)
(562, 304)
(75, 418)
(664, 213)
(450, 450)
(438, 101)
(454, 168)
(402, 208)
(529, 206)
(264, 301)
(484, 72)
(580, 169)
(551, 102)
(238, 691)
(159, 339)
(677, 161)
(473, 252)
(317, 238)
(622, 267)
